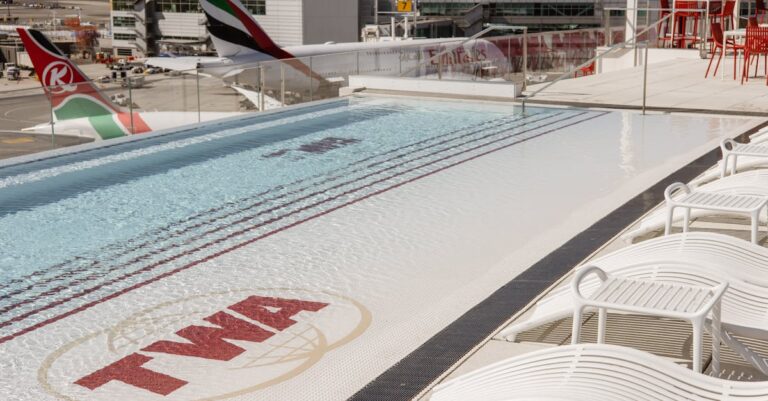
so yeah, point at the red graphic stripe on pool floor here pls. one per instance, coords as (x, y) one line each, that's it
(176, 234)
(270, 233)
(167, 228)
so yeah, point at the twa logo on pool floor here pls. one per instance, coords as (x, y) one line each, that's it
(205, 347)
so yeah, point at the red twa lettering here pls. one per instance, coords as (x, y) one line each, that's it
(204, 342)
(128, 370)
(208, 343)
(254, 307)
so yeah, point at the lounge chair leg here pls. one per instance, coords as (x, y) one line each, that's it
(733, 166)
(576, 332)
(686, 219)
(668, 225)
(697, 343)
(716, 332)
(755, 217)
(724, 167)
(601, 322)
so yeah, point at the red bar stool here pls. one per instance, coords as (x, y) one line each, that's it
(683, 10)
(755, 46)
(760, 9)
(723, 12)
(719, 43)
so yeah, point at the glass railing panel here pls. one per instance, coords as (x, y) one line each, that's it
(24, 108)
(273, 89)
(331, 72)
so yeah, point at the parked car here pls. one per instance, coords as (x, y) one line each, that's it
(12, 72)
(119, 99)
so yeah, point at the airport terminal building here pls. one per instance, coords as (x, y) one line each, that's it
(149, 27)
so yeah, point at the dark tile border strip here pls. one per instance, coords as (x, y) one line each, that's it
(407, 378)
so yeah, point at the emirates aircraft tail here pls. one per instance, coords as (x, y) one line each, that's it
(235, 32)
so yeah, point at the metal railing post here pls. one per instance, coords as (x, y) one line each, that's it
(525, 59)
(674, 27)
(184, 106)
(261, 88)
(197, 82)
(310, 79)
(282, 85)
(440, 67)
(633, 25)
(705, 28)
(607, 26)
(645, 75)
(130, 103)
(53, 122)
(357, 61)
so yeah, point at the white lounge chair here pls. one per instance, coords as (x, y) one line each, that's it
(733, 257)
(675, 259)
(732, 150)
(752, 183)
(745, 162)
(592, 372)
(714, 202)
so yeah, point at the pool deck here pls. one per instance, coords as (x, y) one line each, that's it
(677, 84)
(473, 333)
(673, 86)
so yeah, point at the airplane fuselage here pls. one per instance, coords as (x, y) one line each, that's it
(116, 125)
(316, 63)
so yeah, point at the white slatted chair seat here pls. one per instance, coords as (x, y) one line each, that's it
(592, 372)
(717, 202)
(747, 164)
(733, 257)
(650, 297)
(647, 296)
(732, 150)
(749, 183)
(698, 259)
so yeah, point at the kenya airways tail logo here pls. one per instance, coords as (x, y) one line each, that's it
(71, 93)
(59, 77)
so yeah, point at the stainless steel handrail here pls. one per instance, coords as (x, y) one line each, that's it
(593, 59)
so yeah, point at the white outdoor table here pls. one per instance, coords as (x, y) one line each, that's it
(719, 202)
(656, 298)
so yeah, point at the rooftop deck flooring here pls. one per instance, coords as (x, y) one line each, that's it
(664, 337)
(677, 85)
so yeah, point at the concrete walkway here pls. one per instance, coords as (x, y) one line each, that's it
(672, 85)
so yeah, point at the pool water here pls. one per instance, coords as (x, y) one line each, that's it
(75, 232)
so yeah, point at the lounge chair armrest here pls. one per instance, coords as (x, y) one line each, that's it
(727, 144)
(717, 293)
(583, 272)
(672, 188)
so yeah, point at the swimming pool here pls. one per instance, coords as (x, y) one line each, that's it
(335, 212)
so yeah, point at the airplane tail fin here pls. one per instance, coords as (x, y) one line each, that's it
(70, 91)
(234, 31)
